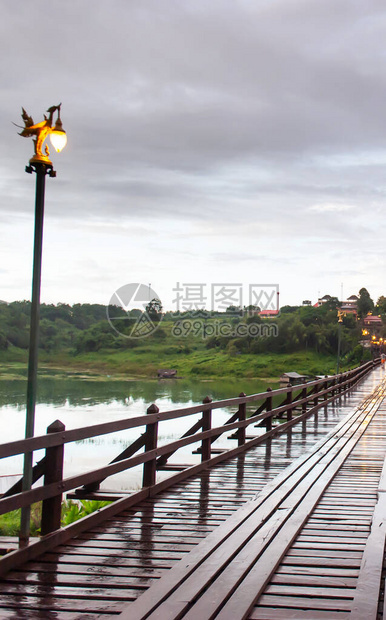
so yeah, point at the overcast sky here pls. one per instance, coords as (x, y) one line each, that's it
(221, 141)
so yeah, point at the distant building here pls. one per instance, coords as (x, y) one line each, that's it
(272, 311)
(350, 306)
(306, 302)
(322, 300)
(372, 330)
(265, 314)
(372, 321)
(166, 373)
(293, 378)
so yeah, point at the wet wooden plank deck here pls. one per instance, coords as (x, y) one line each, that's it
(103, 571)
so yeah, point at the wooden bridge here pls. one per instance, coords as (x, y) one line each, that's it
(288, 523)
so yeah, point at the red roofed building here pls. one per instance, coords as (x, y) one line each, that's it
(372, 321)
(265, 314)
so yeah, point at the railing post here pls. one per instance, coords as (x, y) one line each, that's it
(325, 386)
(242, 416)
(316, 397)
(333, 387)
(350, 380)
(288, 401)
(304, 395)
(354, 378)
(268, 407)
(345, 378)
(52, 507)
(149, 468)
(340, 381)
(206, 426)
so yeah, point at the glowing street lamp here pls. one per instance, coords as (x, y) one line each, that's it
(42, 165)
(58, 136)
(341, 314)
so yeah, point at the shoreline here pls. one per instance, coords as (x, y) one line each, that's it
(110, 366)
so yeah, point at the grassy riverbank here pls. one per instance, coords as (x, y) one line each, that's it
(79, 338)
(143, 362)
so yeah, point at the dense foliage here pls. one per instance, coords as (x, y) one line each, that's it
(61, 326)
(84, 328)
(71, 511)
(302, 328)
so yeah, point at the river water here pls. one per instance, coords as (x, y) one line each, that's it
(79, 401)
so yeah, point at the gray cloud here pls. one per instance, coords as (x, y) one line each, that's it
(252, 119)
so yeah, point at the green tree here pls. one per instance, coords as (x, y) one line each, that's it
(251, 309)
(97, 337)
(255, 318)
(47, 333)
(365, 303)
(3, 341)
(381, 304)
(308, 315)
(154, 310)
(315, 338)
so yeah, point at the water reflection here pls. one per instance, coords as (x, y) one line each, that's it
(82, 392)
(268, 454)
(78, 402)
(240, 473)
(81, 402)
(204, 497)
(288, 445)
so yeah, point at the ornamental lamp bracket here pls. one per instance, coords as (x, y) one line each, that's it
(39, 132)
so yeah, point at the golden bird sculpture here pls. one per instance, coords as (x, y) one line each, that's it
(40, 130)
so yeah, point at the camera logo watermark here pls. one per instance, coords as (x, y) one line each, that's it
(134, 311)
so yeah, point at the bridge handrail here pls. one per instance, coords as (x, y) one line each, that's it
(53, 489)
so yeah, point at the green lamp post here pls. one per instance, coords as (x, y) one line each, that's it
(41, 164)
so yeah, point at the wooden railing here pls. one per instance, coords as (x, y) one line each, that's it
(293, 404)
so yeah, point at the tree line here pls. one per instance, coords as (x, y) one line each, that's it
(84, 328)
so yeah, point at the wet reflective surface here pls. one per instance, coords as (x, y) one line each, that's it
(107, 567)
